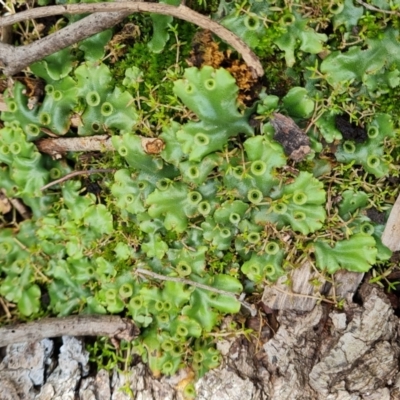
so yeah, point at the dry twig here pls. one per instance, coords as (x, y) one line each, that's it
(77, 173)
(372, 8)
(60, 145)
(14, 59)
(181, 12)
(76, 325)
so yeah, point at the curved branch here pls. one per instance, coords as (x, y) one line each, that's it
(15, 58)
(181, 12)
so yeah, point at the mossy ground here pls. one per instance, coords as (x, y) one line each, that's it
(218, 213)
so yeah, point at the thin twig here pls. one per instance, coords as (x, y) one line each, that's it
(77, 173)
(15, 58)
(5, 308)
(246, 305)
(372, 8)
(181, 12)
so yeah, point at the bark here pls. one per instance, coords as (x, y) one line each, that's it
(322, 354)
(295, 142)
(302, 295)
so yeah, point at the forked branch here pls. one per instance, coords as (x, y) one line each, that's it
(181, 12)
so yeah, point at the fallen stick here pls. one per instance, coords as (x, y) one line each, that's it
(181, 12)
(76, 325)
(16, 58)
(60, 145)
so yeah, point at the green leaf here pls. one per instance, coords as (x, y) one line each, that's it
(194, 260)
(155, 247)
(212, 95)
(357, 63)
(130, 147)
(349, 16)
(98, 219)
(78, 205)
(160, 25)
(248, 26)
(203, 302)
(184, 326)
(327, 127)
(30, 174)
(60, 100)
(55, 66)
(93, 46)
(370, 154)
(298, 103)
(170, 203)
(356, 254)
(130, 191)
(220, 236)
(29, 303)
(350, 202)
(123, 251)
(300, 204)
(299, 33)
(105, 106)
(266, 265)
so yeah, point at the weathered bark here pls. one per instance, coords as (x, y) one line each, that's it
(323, 354)
(294, 141)
(304, 291)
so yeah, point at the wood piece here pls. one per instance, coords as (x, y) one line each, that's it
(76, 325)
(365, 355)
(391, 233)
(57, 146)
(345, 285)
(181, 12)
(302, 295)
(16, 58)
(295, 142)
(60, 146)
